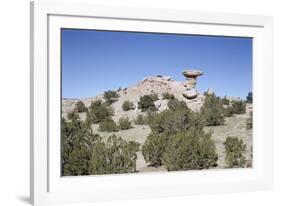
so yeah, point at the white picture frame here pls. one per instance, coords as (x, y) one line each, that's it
(47, 186)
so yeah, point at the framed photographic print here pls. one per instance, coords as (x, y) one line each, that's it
(138, 103)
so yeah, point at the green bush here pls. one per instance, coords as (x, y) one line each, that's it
(108, 125)
(212, 111)
(175, 104)
(110, 96)
(249, 97)
(167, 95)
(249, 121)
(225, 101)
(128, 105)
(190, 150)
(141, 120)
(98, 112)
(116, 156)
(147, 102)
(154, 148)
(124, 123)
(228, 111)
(77, 140)
(80, 107)
(239, 107)
(171, 122)
(235, 150)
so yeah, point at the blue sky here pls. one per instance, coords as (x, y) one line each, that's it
(96, 61)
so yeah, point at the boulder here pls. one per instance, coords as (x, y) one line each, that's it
(190, 94)
(210, 91)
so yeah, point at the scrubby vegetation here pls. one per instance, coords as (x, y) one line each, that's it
(167, 95)
(249, 121)
(178, 140)
(114, 157)
(235, 152)
(212, 111)
(108, 125)
(110, 96)
(175, 104)
(154, 148)
(190, 150)
(128, 105)
(249, 97)
(147, 102)
(225, 101)
(85, 153)
(228, 111)
(141, 120)
(80, 107)
(98, 112)
(124, 123)
(238, 107)
(77, 140)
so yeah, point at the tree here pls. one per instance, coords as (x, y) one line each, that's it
(114, 157)
(141, 120)
(175, 104)
(212, 111)
(167, 95)
(128, 105)
(147, 102)
(249, 97)
(80, 107)
(190, 150)
(77, 140)
(124, 123)
(238, 107)
(171, 122)
(249, 121)
(98, 112)
(154, 148)
(108, 125)
(110, 96)
(235, 150)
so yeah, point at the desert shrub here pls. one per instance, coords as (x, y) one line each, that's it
(154, 148)
(146, 102)
(190, 150)
(128, 105)
(225, 101)
(110, 96)
(98, 112)
(77, 140)
(239, 107)
(212, 111)
(167, 95)
(108, 125)
(114, 157)
(235, 150)
(249, 97)
(175, 104)
(124, 123)
(249, 121)
(80, 107)
(228, 111)
(141, 120)
(171, 122)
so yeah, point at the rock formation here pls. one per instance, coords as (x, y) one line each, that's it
(190, 83)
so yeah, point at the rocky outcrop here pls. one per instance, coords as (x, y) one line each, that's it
(190, 83)
(210, 92)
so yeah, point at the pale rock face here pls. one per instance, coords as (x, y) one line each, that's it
(156, 84)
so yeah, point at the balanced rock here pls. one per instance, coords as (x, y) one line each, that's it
(191, 76)
(190, 94)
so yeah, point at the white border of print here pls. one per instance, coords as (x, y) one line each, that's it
(47, 186)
